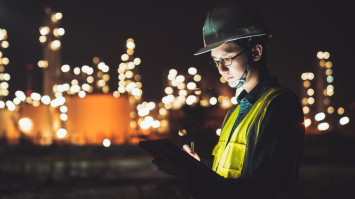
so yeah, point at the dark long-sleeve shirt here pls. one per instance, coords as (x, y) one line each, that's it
(274, 164)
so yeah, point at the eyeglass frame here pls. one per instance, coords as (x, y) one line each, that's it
(230, 59)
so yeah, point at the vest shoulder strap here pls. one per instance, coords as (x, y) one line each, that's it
(229, 113)
(254, 130)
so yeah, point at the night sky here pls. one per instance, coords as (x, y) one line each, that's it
(167, 33)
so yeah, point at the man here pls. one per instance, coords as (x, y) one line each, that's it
(261, 143)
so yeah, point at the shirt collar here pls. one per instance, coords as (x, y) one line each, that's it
(258, 90)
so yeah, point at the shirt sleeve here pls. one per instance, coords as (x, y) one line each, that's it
(275, 161)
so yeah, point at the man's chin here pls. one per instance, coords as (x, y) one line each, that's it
(231, 81)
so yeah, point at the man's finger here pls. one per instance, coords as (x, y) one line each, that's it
(187, 148)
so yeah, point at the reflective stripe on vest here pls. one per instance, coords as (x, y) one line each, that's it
(229, 158)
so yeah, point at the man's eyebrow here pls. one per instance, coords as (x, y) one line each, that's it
(227, 51)
(230, 49)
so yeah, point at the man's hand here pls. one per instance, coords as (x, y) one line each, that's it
(190, 152)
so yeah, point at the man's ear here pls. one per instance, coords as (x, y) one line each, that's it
(256, 52)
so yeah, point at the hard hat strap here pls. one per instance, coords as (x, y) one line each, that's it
(239, 83)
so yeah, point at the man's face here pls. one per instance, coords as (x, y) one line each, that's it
(234, 71)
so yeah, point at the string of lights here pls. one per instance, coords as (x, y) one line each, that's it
(316, 101)
(4, 61)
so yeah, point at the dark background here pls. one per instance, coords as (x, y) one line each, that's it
(167, 33)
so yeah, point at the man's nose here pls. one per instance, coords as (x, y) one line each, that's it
(222, 68)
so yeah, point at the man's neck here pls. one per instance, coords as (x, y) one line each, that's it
(254, 77)
(249, 85)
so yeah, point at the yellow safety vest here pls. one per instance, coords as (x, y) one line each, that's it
(230, 157)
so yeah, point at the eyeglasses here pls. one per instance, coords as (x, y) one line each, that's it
(226, 61)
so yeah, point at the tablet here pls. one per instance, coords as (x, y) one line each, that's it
(165, 149)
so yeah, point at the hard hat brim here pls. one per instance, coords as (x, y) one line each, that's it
(215, 45)
(209, 48)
